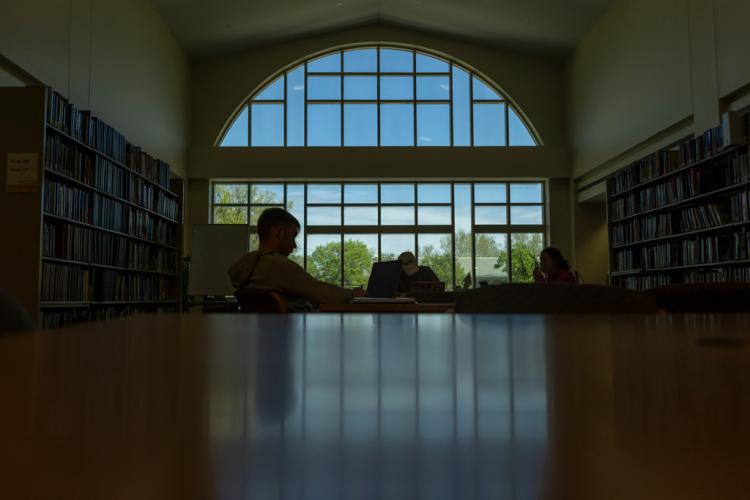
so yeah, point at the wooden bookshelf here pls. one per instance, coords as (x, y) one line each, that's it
(100, 235)
(682, 215)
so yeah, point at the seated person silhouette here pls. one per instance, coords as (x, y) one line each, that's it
(553, 268)
(411, 272)
(269, 267)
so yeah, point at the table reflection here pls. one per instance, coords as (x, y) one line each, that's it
(389, 406)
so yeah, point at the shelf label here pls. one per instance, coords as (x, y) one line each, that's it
(22, 173)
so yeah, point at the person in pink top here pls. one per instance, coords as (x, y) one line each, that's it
(553, 268)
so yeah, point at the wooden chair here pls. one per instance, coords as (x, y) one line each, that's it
(260, 301)
(554, 299)
(703, 297)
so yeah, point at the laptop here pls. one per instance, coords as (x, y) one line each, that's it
(383, 283)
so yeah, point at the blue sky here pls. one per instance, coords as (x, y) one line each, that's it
(361, 122)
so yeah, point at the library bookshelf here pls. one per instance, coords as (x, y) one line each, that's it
(682, 215)
(96, 230)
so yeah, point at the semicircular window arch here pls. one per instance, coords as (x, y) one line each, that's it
(378, 96)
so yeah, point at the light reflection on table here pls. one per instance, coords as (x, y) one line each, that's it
(391, 406)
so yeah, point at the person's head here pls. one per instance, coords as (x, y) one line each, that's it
(551, 260)
(277, 230)
(408, 263)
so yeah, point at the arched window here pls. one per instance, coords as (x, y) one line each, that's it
(378, 96)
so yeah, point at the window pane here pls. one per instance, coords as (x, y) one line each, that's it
(360, 88)
(324, 193)
(360, 251)
(392, 245)
(491, 215)
(267, 194)
(256, 211)
(324, 257)
(461, 118)
(433, 125)
(492, 259)
(273, 91)
(396, 125)
(360, 124)
(295, 204)
(521, 215)
(525, 249)
(323, 88)
(481, 92)
(434, 193)
(361, 61)
(230, 215)
(489, 124)
(462, 214)
(254, 242)
(525, 193)
(432, 88)
(397, 216)
(396, 88)
(323, 216)
(519, 134)
(324, 125)
(360, 193)
(230, 193)
(429, 64)
(489, 193)
(326, 64)
(267, 125)
(236, 136)
(435, 251)
(434, 216)
(396, 61)
(397, 193)
(361, 216)
(295, 107)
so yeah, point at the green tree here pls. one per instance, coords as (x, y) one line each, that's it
(524, 250)
(325, 263)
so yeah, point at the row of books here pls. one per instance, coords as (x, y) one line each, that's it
(74, 162)
(142, 256)
(117, 216)
(740, 206)
(67, 201)
(636, 230)
(148, 166)
(624, 260)
(96, 133)
(116, 286)
(737, 169)
(64, 283)
(704, 251)
(704, 217)
(68, 159)
(56, 318)
(658, 256)
(71, 283)
(69, 242)
(701, 147)
(644, 170)
(642, 283)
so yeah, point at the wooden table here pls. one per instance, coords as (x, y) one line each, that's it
(385, 307)
(391, 406)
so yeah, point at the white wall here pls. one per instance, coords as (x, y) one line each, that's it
(115, 57)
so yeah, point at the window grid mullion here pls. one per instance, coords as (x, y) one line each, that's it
(415, 142)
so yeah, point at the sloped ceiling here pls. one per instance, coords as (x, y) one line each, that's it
(553, 27)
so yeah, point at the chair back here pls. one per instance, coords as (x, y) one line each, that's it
(554, 299)
(703, 297)
(13, 317)
(260, 301)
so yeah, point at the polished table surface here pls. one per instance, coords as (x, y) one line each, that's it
(391, 406)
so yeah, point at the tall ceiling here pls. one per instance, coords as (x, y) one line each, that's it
(544, 26)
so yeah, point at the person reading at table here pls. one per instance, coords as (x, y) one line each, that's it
(269, 267)
(412, 272)
(553, 268)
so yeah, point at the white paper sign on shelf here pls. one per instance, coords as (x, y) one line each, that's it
(22, 173)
